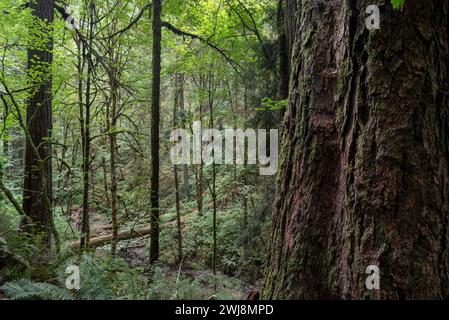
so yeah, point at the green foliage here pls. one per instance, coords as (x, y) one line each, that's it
(193, 285)
(103, 277)
(113, 279)
(15, 249)
(25, 289)
(397, 3)
(198, 239)
(210, 79)
(269, 104)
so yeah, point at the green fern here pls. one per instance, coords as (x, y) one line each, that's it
(96, 283)
(397, 3)
(25, 289)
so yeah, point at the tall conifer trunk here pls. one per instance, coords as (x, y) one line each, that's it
(37, 195)
(155, 123)
(364, 177)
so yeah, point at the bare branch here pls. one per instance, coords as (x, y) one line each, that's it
(133, 22)
(179, 32)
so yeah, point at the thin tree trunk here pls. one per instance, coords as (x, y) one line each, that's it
(69, 178)
(6, 144)
(214, 177)
(181, 81)
(178, 98)
(178, 214)
(200, 189)
(199, 173)
(234, 112)
(113, 163)
(245, 164)
(65, 136)
(85, 224)
(105, 180)
(155, 123)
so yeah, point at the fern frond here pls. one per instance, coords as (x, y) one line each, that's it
(397, 3)
(25, 289)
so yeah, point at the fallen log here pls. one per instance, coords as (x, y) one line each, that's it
(138, 232)
(106, 239)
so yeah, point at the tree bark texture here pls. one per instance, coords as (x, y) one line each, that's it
(37, 195)
(364, 175)
(286, 24)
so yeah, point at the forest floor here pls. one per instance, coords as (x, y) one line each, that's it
(135, 254)
(138, 257)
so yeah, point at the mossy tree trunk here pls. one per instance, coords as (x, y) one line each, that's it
(37, 194)
(364, 177)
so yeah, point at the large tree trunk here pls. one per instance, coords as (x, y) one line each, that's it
(364, 171)
(155, 123)
(37, 195)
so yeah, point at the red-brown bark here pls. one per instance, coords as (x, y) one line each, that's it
(364, 176)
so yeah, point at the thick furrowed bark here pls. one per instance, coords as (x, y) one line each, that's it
(364, 167)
